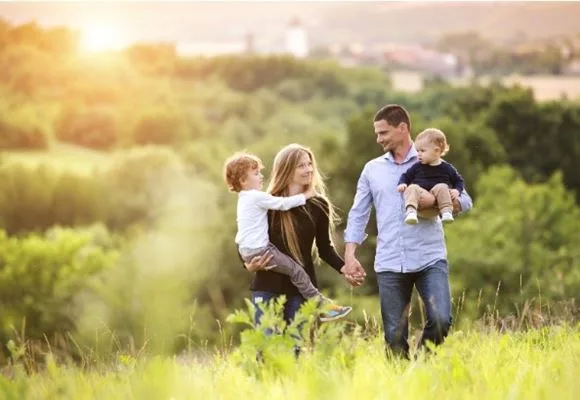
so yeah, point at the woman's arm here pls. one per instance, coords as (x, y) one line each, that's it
(326, 249)
(257, 263)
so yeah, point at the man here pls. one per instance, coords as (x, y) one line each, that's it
(406, 255)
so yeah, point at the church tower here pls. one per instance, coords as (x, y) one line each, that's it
(297, 39)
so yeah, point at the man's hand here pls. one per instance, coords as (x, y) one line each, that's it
(401, 188)
(427, 204)
(454, 194)
(259, 263)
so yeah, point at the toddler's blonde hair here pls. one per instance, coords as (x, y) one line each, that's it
(434, 136)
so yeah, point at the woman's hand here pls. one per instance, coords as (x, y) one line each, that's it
(259, 263)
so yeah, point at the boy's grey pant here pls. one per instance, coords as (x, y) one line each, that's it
(283, 264)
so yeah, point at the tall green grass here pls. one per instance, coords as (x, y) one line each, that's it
(338, 361)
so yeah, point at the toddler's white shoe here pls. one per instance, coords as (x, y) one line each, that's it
(411, 218)
(447, 218)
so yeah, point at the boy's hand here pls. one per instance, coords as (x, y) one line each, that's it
(401, 188)
(454, 194)
(309, 193)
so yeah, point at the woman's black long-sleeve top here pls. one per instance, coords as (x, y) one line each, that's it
(309, 228)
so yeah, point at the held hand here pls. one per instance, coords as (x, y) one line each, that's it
(258, 263)
(401, 188)
(353, 271)
(354, 281)
(454, 194)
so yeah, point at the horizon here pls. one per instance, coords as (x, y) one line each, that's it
(128, 22)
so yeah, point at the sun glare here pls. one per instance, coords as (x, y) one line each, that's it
(99, 38)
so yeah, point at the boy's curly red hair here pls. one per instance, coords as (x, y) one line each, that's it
(237, 167)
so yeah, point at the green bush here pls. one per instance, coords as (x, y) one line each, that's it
(37, 198)
(134, 184)
(20, 128)
(41, 277)
(522, 237)
(160, 127)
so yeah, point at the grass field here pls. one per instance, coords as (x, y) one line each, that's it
(538, 364)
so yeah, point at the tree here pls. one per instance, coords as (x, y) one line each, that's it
(96, 128)
(522, 235)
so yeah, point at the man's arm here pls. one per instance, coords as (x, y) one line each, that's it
(461, 204)
(360, 212)
(456, 179)
(465, 202)
(354, 234)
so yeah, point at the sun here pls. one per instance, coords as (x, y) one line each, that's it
(100, 38)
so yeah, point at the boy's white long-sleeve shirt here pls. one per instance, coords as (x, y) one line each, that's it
(252, 215)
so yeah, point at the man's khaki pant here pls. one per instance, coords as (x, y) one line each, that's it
(442, 199)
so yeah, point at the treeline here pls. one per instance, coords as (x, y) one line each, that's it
(521, 56)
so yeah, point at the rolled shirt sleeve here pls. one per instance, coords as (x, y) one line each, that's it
(465, 201)
(359, 214)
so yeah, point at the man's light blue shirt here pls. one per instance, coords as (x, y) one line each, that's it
(400, 247)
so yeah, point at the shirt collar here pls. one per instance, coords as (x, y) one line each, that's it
(411, 155)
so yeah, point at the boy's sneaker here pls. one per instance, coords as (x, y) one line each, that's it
(411, 218)
(447, 218)
(332, 312)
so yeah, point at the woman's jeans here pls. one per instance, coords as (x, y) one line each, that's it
(291, 307)
(395, 291)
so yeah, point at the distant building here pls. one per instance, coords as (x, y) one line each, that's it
(250, 43)
(573, 68)
(421, 59)
(297, 39)
(294, 41)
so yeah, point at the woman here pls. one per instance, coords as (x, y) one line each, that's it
(295, 231)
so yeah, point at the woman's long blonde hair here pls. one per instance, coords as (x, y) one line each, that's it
(285, 164)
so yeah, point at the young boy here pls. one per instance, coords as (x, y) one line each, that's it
(433, 174)
(242, 175)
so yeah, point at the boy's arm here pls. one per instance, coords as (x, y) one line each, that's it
(267, 201)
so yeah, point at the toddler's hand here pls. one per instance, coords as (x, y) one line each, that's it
(454, 194)
(401, 188)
